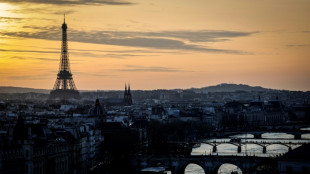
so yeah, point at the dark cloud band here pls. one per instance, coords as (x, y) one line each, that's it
(70, 2)
(164, 40)
(131, 68)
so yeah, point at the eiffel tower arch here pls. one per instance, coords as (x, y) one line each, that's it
(64, 87)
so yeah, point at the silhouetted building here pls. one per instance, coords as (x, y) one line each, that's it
(20, 130)
(64, 87)
(127, 96)
(34, 148)
(97, 110)
(295, 161)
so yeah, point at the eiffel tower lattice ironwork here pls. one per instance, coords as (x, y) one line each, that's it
(64, 87)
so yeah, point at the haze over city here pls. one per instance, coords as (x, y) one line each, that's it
(157, 44)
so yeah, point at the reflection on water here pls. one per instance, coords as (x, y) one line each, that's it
(305, 136)
(243, 136)
(277, 136)
(228, 168)
(204, 149)
(277, 148)
(307, 128)
(194, 168)
(224, 169)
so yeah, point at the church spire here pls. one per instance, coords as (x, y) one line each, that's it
(127, 95)
(125, 88)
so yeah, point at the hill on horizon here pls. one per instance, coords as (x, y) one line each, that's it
(12, 90)
(224, 87)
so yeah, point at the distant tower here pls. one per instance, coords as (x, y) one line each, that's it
(20, 130)
(127, 96)
(97, 110)
(64, 87)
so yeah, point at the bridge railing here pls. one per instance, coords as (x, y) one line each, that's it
(253, 154)
(265, 141)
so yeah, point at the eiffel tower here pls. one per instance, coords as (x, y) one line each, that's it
(64, 87)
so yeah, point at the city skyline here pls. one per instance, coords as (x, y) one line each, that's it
(152, 45)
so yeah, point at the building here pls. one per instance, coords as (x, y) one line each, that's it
(295, 161)
(35, 148)
(127, 96)
(64, 87)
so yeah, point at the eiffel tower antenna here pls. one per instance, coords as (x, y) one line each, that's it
(64, 87)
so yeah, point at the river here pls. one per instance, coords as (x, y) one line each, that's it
(249, 149)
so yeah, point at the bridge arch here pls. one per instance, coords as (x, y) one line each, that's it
(227, 147)
(204, 149)
(281, 148)
(227, 168)
(228, 143)
(192, 167)
(305, 136)
(252, 148)
(255, 144)
(217, 148)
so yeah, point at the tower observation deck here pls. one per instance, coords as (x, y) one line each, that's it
(64, 87)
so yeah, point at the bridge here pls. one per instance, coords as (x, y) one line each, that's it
(257, 134)
(264, 143)
(210, 163)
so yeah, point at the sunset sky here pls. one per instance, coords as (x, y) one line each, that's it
(155, 44)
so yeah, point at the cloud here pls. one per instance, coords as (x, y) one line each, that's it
(31, 58)
(71, 2)
(30, 77)
(114, 55)
(164, 40)
(200, 35)
(98, 74)
(124, 52)
(22, 20)
(124, 55)
(62, 12)
(78, 52)
(297, 45)
(24, 8)
(131, 68)
(28, 51)
(11, 21)
(8, 19)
